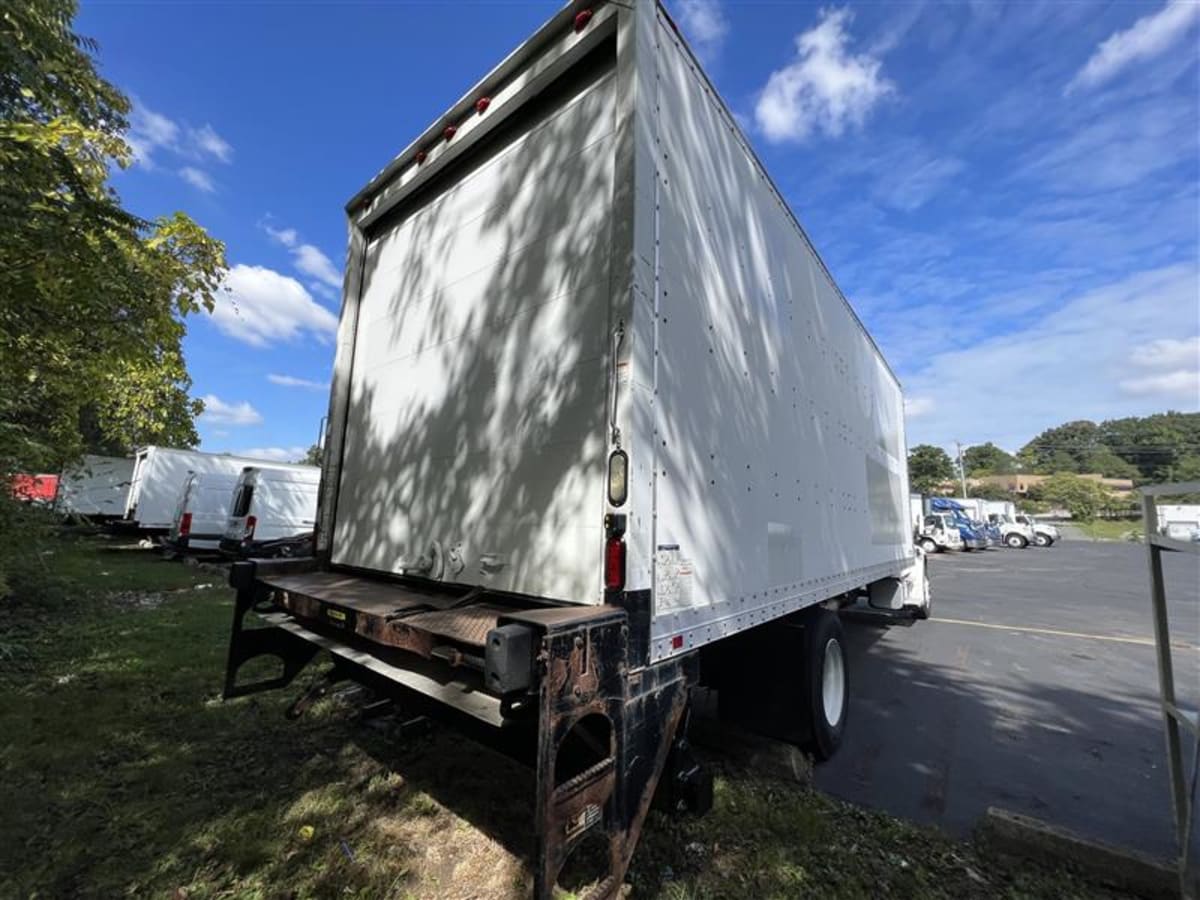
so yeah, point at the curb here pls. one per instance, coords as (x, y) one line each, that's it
(1031, 838)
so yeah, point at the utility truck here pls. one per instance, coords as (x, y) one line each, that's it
(601, 428)
(933, 532)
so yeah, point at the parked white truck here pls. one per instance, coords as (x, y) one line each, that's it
(1005, 514)
(97, 487)
(601, 428)
(933, 532)
(159, 474)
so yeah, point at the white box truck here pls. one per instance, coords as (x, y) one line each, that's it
(602, 427)
(158, 478)
(98, 487)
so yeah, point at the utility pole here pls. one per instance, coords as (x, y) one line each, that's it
(962, 472)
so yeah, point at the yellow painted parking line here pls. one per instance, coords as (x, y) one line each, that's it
(1141, 642)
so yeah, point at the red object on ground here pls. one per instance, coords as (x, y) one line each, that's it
(34, 488)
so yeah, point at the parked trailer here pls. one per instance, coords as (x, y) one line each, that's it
(159, 474)
(601, 427)
(98, 487)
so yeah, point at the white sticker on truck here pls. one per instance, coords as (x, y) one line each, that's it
(673, 577)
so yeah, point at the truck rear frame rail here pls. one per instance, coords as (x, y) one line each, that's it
(603, 736)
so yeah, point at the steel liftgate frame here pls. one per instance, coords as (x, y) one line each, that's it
(606, 737)
(1175, 719)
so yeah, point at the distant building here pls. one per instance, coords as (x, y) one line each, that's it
(1021, 482)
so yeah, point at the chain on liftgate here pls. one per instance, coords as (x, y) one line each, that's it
(1176, 721)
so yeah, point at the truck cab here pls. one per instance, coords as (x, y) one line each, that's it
(1012, 533)
(938, 532)
(1044, 534)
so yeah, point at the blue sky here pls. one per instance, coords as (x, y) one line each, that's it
(1007, 193)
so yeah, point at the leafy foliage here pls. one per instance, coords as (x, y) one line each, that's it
(93, 297)
(313, 456)
(928, 468)
(1144, 448)
(988, 459)
(1081, 497)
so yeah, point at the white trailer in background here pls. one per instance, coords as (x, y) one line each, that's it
(98, 487)
(601, 426)
(158, 479)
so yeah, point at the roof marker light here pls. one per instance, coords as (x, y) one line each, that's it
(482, 104)
(451, 131)
(421, 156)
(582, 18)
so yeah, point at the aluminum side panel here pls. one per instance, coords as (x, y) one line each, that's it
(780, 477)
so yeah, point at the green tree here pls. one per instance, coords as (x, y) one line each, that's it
(929, 468)
(314, 456)
(1155, 444)
(1081, 497)
(92, 298)
(988, 459)
(1061, 449)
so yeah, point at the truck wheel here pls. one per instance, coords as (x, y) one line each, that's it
(827, 683)
(929, 545)
(1016, 541)
(1042, 540)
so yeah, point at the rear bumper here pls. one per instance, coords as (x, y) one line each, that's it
(599, 732)
(187, 542)
(296, 546)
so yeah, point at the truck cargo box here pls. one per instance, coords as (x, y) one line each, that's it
(601, 426)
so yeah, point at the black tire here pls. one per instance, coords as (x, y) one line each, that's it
(929, 545)
(823, 636)
(1042, 540)
(1016, 541)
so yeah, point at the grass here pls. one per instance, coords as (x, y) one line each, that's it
(1110, 529)
(124, 774)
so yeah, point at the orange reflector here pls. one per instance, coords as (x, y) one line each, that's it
(614, 564)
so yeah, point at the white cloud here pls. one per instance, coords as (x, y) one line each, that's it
(915, 407)
(1168, 353)
(1072, 362)
(207, 142)
(312, 262)
(1147, 37)
(286, 236)
(292, 381)
(825, 89)
(259, 306)
(1182, 383)
(197, 179)
(148, 131)
(218, 412)
(704, 22)
(324, 290)
(308, 259)
(274, 454)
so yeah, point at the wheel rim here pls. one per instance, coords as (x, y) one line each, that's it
(833, 682)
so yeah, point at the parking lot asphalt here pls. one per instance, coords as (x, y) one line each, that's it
(1034, 687)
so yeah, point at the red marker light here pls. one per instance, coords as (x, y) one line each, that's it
(582, 18)
(251, 521)
(614, 564)
(482, 104)
(450, 132)
(185, 524)
(421, 156)
(677, 642)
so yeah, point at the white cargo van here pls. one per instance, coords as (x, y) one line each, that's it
(272, 512)
(159, 474)
(202, 512)
(602, 427)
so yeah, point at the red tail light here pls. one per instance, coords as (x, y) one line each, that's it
(614, 564)
(185, 524)
(251, 521)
